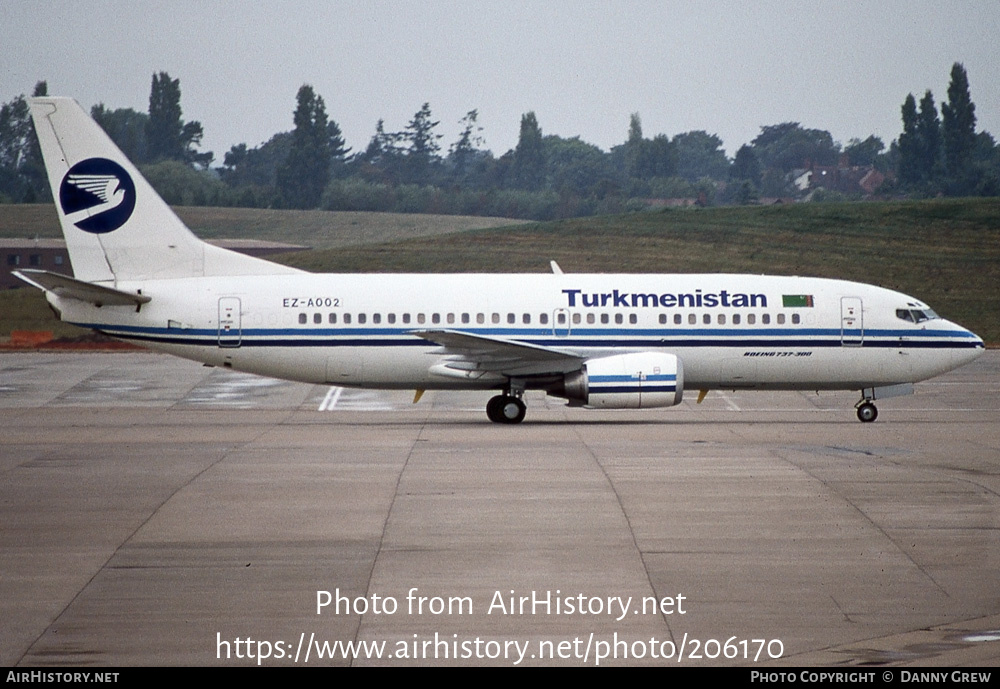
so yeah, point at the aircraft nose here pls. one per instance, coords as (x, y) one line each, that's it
(973, 349)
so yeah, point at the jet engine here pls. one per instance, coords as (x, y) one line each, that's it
(640, 380)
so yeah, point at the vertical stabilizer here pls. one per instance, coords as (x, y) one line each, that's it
(116, 226)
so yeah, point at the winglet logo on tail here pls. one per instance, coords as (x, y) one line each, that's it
(97, 195)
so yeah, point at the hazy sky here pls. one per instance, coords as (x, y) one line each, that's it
(582, 66)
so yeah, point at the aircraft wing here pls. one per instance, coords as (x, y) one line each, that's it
(65, 286)
(471, 354)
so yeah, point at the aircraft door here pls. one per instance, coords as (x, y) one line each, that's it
(230, 322)
(852, 324)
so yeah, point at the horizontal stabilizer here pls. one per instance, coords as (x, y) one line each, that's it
(65, 286)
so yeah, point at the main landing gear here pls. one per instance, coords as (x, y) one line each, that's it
(866, 411)
(505, 408)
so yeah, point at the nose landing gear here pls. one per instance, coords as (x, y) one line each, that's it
(867, 412)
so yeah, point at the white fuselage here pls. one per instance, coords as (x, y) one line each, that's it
(730, 331)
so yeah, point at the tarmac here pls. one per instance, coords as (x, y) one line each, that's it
(157, 512)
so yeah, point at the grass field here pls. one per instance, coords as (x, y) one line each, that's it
(945, 252)
(315, 229)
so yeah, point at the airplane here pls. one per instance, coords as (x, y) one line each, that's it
(611, 341)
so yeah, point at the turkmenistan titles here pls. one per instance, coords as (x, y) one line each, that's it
(697, 299)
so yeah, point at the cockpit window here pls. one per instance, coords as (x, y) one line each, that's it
(915, 315)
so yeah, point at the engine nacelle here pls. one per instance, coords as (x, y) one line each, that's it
(627, 381)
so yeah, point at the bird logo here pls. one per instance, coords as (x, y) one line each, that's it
(97, 195)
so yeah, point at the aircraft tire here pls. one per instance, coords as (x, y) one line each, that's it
(505, 409)
(493, 412)
(867, 412)
(512, 410)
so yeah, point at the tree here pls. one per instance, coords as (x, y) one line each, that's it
(636, 152)
(577, 167)
(22, 174)
(338, 149)
(909, 144)
(746, 166)
(255, 170)
(865, 152)
(641, 160)
(422, 151)
(382, 146)
(306, 170)
(700, 154)
(959, 131)
(529, 156)
(466, 148)
(168, 136)
(127, 128)
(789, 146)
(928, 140)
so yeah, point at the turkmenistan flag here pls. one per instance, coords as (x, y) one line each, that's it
(791, 300)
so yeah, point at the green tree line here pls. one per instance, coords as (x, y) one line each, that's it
(544, 177)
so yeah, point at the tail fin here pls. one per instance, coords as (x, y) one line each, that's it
(116, 226)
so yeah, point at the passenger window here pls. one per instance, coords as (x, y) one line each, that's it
(362, 319)
(618, 319)
(561, 318)
(347, 318)
(451, 319)
(332, 319)
(677, 319)
(465, 319)
(391, 318)
(765, 318)
(406, 318)
(736, 319)
(663, 319)
(526, 319)
(495, 318)
(751, 318)
(480, 318)
(633, 319)
(781, 319)
(435, 318)
(604, 319)
(707, 319)
(722, 319)
(576, 319)
(795, 318)
(511, 318)
(692, 319)
(317, 318)
(591, 318)
(303, 318)
(421, 318)
(543, 319)
(376, 318)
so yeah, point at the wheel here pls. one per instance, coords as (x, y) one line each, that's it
(512, 410)
(867, 412)
(505, 409)
(493, 409)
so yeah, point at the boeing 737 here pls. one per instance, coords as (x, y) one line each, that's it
(615, 341)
